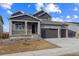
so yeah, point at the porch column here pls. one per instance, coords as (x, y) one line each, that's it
(66, 33)
(38, 28)
(76, 35)
(59, 33)
(10, 28)
(26, 27)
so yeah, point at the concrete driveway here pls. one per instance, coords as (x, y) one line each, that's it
(65, 42)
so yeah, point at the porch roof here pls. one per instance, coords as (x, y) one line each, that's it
(11, 17)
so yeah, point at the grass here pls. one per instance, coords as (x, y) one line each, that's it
(24, 45)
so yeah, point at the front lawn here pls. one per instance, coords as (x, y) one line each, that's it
(7, 47)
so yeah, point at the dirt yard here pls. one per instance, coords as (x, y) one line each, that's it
(7, 47)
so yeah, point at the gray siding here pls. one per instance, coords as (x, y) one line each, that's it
(42, 15)
(24, 17)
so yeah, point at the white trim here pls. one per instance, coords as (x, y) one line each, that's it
(24, 20)
(10, 28)
(18, 20)
(66, 33)
(59, 34)
(39, 28)
(24, 14)
(26, 27)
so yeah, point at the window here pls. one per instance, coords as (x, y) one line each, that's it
(19, 26)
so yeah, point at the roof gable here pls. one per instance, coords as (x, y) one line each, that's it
(17, 13)
(24, 17)
(38, 13)
(42, 15)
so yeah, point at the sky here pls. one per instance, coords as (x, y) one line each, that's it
(63, 12)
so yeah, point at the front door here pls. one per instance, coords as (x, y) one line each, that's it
(32, 27)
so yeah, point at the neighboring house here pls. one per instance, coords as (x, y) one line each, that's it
(1, 24)
(38, 25)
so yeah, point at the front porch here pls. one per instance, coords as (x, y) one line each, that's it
(24, 29)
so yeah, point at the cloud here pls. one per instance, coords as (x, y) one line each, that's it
(75, 16)
(75, 9)
(52, 8)
(57, 19)
(9, 12)
(29, 6)
(68, 17)
(7, 7)
(39, 6)
(48, 7)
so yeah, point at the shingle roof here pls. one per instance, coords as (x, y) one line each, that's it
(53, 23)
(37, 13)
(40, 13)
(17, 13)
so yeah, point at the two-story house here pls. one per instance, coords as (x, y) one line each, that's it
(38, 25)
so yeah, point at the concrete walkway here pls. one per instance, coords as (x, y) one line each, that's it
(68, 45)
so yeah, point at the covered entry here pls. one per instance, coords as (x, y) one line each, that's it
(32, 28)
(49, 33)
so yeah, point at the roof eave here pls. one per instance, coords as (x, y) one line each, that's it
(24, 14)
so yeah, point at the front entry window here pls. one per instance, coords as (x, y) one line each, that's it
(19, 26)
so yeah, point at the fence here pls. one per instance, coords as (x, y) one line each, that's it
(4, 35)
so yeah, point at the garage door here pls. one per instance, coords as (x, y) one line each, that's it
(63, 33)
(50, 33)
(71, 33)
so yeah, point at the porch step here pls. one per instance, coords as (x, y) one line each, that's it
(36, 36)
(20, 36)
